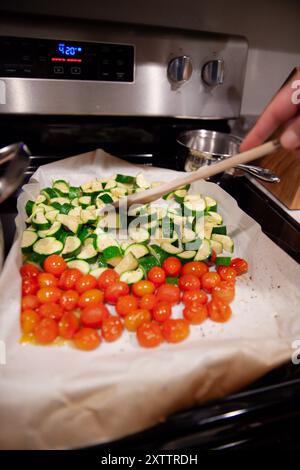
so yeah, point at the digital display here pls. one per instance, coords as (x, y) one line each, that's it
(68, 50)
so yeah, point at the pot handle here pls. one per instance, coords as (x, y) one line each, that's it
(16, 157)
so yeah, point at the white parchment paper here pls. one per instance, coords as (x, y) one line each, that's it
(59, 397)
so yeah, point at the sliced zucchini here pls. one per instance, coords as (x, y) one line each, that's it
(28, 207)
(79, 264)
(28, 240)
(170, 249)
(88, 216)
(88, 252)
(60, 200)
(139, 234)
(75, 212)
(125, 179)
(128, 263)
(208, 230)
(211, 204)
(47, 246)
(119, 192)
(104, 241)
(130, 277)
(85, 201)
(110, 220)
(53, 231)
(84, 233)
(179, 195)
(66, 208)
(70, 222)
(195, 208)
(111, 252)
(101, 261)
(169, 196)
(51, 215)
(47, 193)
(216, 246)
(148, 262)
(187, 255)
(72, 247)
(137, 249)
(226, 241)
(97, 272)
(74, 192)
(104, 198)
(220, 229)
(188, 235)
(192, 197)
(39, 221)
(214, 217)
(223, 260)
(141, 181)
(62, 186)
(204, 251)
(159, 254)
(137, 209)
(111, 183)
(75, 202)
(96, 186)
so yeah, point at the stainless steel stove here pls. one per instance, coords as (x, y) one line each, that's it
(70, 87)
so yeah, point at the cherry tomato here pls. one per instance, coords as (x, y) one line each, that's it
(29, 286)
(172, 266)
(169, 293)
(126, 304)
(195, 313)
(115, 291)
(68, 278)
(162, 311)
(90, 297)
(55, 264)
(197, 268)
(157, 275)
(175, 330)
(239, 265)
(86, 339)
(148, 301)
(86, 282)
(46, 331)
(48, 294)
(224, 291)
(47, 280)
(142, 288)
(93, 315)
(210, 280)
(189, 282)
(149, 334)
(29, 319)
(30, 302)
(134, 319)
(227, 273)
(107, 278)
(212, 258)
(68, 325)
(112, 328)
(195, 296)
(69, 299)
(51, 310)
(29, 270)
(218, 311)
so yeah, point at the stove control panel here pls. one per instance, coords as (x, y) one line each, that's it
(66, 60)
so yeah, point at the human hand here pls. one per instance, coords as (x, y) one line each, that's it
(283, 110)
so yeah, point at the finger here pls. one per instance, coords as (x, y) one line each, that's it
(290, 138)
(281, 109)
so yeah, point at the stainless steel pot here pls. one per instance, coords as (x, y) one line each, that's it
(204, 147)
(14, 160)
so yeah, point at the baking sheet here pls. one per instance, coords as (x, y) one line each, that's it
(59, 397)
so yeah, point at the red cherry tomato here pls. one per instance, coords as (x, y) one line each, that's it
(86, 282)
(157, 275)
(142, 288)
(189, 282)
(210, 280)
(195, 313)
(212, 258)
(148, 301)
(55, 264)
(239, 265)
(46, 331)
(47, 280)
(149, 334)
(218, 311)
(126, 304)
(51, 310)
(227, 273)
(29, 286)
(162, 311)
(29, 319)
(93, 315)
(168, 293)
(107, 278)
(86, 339)
(197, 268)
(90, 297)
(68, 325)
(30, 302)
(172, 266)
(134, 319)
(115, 291)
(48, 294)
(68, 278)
(112, 328)
(29, 270)
(69, 299)
(195, 296)
(175, 330)
(224, 291)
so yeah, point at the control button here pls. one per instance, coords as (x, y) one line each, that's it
(120, 75)
(120, 62)
(105, 62)
(105, 75)
(213, 72)
(75, 70)
(58, 69)
(180, 69)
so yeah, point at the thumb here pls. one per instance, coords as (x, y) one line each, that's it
(290, 138)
